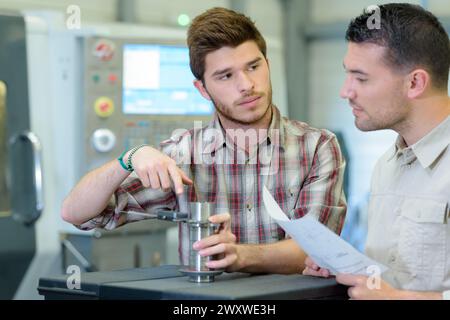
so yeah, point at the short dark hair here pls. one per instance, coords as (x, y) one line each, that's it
(217, 28)
(412, 36)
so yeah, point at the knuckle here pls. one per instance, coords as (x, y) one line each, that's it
(221, 247)
(165, 185)
(171, 169)
(232, 237)
(139, 169)
(159, 166)
(172, 163)
(231, 258)
(155, 185)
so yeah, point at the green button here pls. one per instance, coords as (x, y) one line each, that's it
(96, 78)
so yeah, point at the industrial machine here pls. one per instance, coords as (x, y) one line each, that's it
(20, 154)
(109, 89)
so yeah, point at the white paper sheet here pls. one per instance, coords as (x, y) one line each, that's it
(326, 248)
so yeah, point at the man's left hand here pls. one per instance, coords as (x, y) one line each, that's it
(222, 244)
(365, 288)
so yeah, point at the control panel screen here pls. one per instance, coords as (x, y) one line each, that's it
(157, 80)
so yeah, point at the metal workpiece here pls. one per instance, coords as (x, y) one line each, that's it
(200, 211)
(200, 228)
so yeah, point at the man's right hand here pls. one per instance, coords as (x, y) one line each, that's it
(157, 170)
(312, 269)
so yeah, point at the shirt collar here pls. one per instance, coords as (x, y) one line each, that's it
(429, 148)
(397, 147)
(276, 134)
(214, 137)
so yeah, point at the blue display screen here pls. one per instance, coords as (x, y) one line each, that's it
(157, 80)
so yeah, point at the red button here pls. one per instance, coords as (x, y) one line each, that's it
(112, 78)
(104, 107)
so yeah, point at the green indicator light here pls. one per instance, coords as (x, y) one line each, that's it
(183, 20)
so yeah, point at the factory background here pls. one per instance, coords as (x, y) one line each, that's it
(306, 47)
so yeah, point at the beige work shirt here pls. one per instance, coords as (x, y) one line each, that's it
(408, 212)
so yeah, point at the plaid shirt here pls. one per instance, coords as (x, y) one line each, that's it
(301, 166)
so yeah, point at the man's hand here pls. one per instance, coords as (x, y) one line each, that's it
(362, 288)
(312, 269)
(222, 243)
(156, 170)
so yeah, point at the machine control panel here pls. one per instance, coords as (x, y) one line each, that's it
(136, 92)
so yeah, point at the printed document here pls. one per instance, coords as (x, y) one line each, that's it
(326, 248)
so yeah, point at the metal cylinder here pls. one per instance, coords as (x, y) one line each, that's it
(197, 232)
(200, 211)
(200, 228)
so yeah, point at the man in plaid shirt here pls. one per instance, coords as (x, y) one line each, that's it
(247, 146)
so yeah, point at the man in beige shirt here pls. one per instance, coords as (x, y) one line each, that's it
(397, 78)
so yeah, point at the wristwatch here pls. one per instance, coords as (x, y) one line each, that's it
(123, 164)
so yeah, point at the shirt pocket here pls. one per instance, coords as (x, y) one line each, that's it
(286, 198)
(422, 241)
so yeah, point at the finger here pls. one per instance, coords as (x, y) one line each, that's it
(351, 293)
(142, 175)
(206, 242)
(311, 264)
(224, 218)
(164, 178)
(214, 240)
(154, 179)
(223, 263)
(348, 279)
(310, 272)
(176, 178)
(210, 251)
(324, 272)
(184, 177)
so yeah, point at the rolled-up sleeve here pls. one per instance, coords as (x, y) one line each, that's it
(131, 202)
(322, 192)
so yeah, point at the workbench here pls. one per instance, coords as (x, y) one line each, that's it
(167, 283)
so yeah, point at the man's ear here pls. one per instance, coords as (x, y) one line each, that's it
(201, 88)
(418, 82)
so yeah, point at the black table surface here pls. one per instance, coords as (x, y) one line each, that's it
(167, 283)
